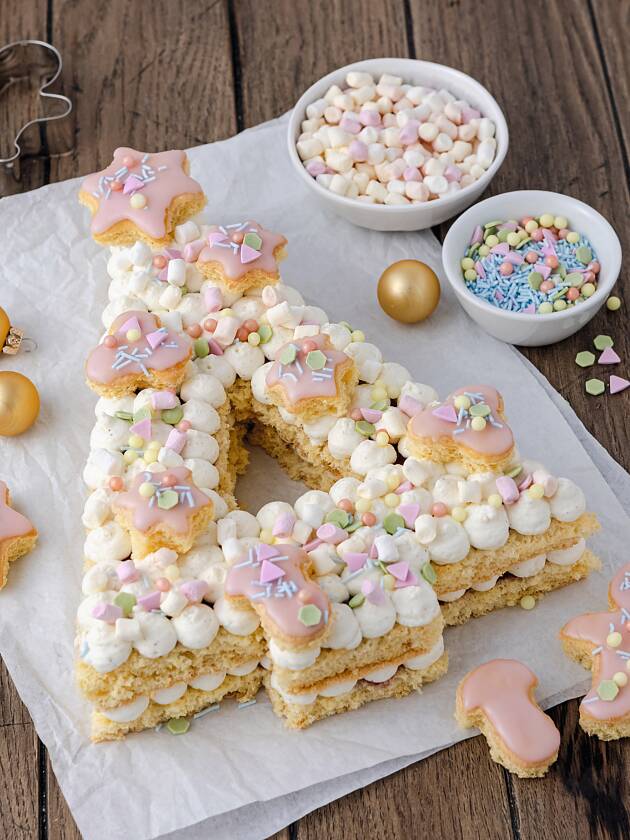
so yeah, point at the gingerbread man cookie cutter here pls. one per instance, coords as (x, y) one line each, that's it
(10, 66)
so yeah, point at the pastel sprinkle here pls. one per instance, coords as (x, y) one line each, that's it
(445, 412)
(601, 342)
(594, 387)
(608, 357)
(315, 360)
(585, 358)
(527, 602)
(310, 615)
(178, 726)
(607, 690)
(618, 384)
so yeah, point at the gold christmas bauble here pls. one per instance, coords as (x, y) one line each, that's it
(19, 403)
(5, 326)
(408, 291)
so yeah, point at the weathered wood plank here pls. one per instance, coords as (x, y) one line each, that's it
(60, 822)
(18, 780)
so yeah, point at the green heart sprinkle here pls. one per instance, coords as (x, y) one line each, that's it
(524, 242)
(607, 690)
(316, 360)
(585, 358)
(126, 601)
(601, 342)
(339, 517)
(594, 387)
(514, 471)
(287, 354)
(356, 600)
(265, 332)
(584, 254)
(178, 726)
(392, 522)
(354, 526)
(493, 224)
(380, 405)
(142, 414)
(172, 416)
(574, 278)
(479, 410)
(167, 499)
(310, 615)
(535, 279)
(428, 573)
(201, 348)
(253, 240)
(124, 415)
(365, 428)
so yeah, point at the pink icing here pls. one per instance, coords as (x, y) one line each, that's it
(147, 513)
(162, 179)
(501, 689)
(607, 661)
(12, 523)
(272, 577)
(235, 258)
(297, 379)
(106, 364)
(495, 439)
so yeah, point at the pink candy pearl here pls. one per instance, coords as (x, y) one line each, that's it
(547, 285)
(551, 261)
(588, 276)
(537, 235)
(563, 233)
(159, 261)
(183, 425)
(356, 414)
(439, 509)
(129, 161)
(531, 257)
(411, 174)
(595, 267)
(110, 341)
(309, 345)
(162, 584)
(506, 269)
(573, 293)
(237, 237)
(168, 480)
(358, 150)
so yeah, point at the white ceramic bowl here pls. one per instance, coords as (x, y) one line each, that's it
(532, 330)
(410, 216)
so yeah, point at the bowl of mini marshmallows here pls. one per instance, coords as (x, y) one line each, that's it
(397, 144)
(531, 267)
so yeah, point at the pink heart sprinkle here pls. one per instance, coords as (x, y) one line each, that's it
(132, 184)
(156, 338)
(142, 428)
(409, 513)
(371, 414)
(130, 324)
(355, 560)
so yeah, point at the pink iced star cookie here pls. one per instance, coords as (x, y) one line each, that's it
(601, 642)
(163, 510)
(310, 378)
(141, 195)
(468, 427)
(17, 534)
(273, 580)
(137, 353)
(240, 256)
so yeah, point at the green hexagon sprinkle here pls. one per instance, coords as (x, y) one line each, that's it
(265, 332)
(479, 410)
(124, 415)
(535, 279)
(356, 600)
(594, 387)
(172, 416)
(201, 348)
(287, 354)
(514, 471)
(316, 360)
(607, 690)
(392, 522)
(601, 342)
(428, 573)
(310, 615)
(126, 601)
(585, 358)
(339, 517)
(365, 428)
(253, 240)
(167, 499)
(178, 726)
(584, 254)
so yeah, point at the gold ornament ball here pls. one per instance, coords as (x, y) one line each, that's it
(5, 326)
(408, 291)
(19, 403)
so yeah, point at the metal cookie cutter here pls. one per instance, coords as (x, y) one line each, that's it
(12, 70)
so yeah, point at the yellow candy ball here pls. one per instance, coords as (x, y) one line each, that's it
(171, 572)
(561, 222)
(154, 444)
(379, 393)
(136, 442)
(461, 401)
(620, 679)
(588, 289)
(266, 536)
(362, 505)
(225, 313)
(382, 438)
(408, 291)
(531, 226)
(392, 500)
(513, 238)
(146, 490)
(613, 303)
(494, 500)
(492, 240)
(527, 602)
(150, 456)
(613, 639)
(459, 514)
(546, 220)
(138, 201)
(478, 424)
(573, 237)
(133, 335)
(130, 456)
(392, 481)
(254, 339)
(357, 335)
(536, 491)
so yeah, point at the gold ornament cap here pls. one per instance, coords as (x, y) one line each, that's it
(10, 337)
(408, 291)
(19, 403)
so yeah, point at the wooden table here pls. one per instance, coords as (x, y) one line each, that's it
(160, 75)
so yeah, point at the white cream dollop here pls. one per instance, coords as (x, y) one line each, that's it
(343, 438)
(240, 622)
(293, 660)
(128, 712)
(529, 516)
(109, 542)
(568, 502)
(415, 605)
(567, 556)
(376, 619)
(196, 626)
(158, 635)
(345, 631)
(451, 543)
(487, 527)
(370, 454)
(418, 663)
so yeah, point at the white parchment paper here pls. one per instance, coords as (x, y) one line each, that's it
(239, 773)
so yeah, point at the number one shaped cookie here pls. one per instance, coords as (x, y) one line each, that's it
(601, 642)
(498, 698)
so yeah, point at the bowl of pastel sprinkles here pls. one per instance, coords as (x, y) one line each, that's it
(531, 267)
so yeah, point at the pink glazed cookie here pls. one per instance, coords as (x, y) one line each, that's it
(498, 698)
(239, 256)
(137, 353)
(601, 642)
(17, 534)
(468, 427)
(141, 195)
